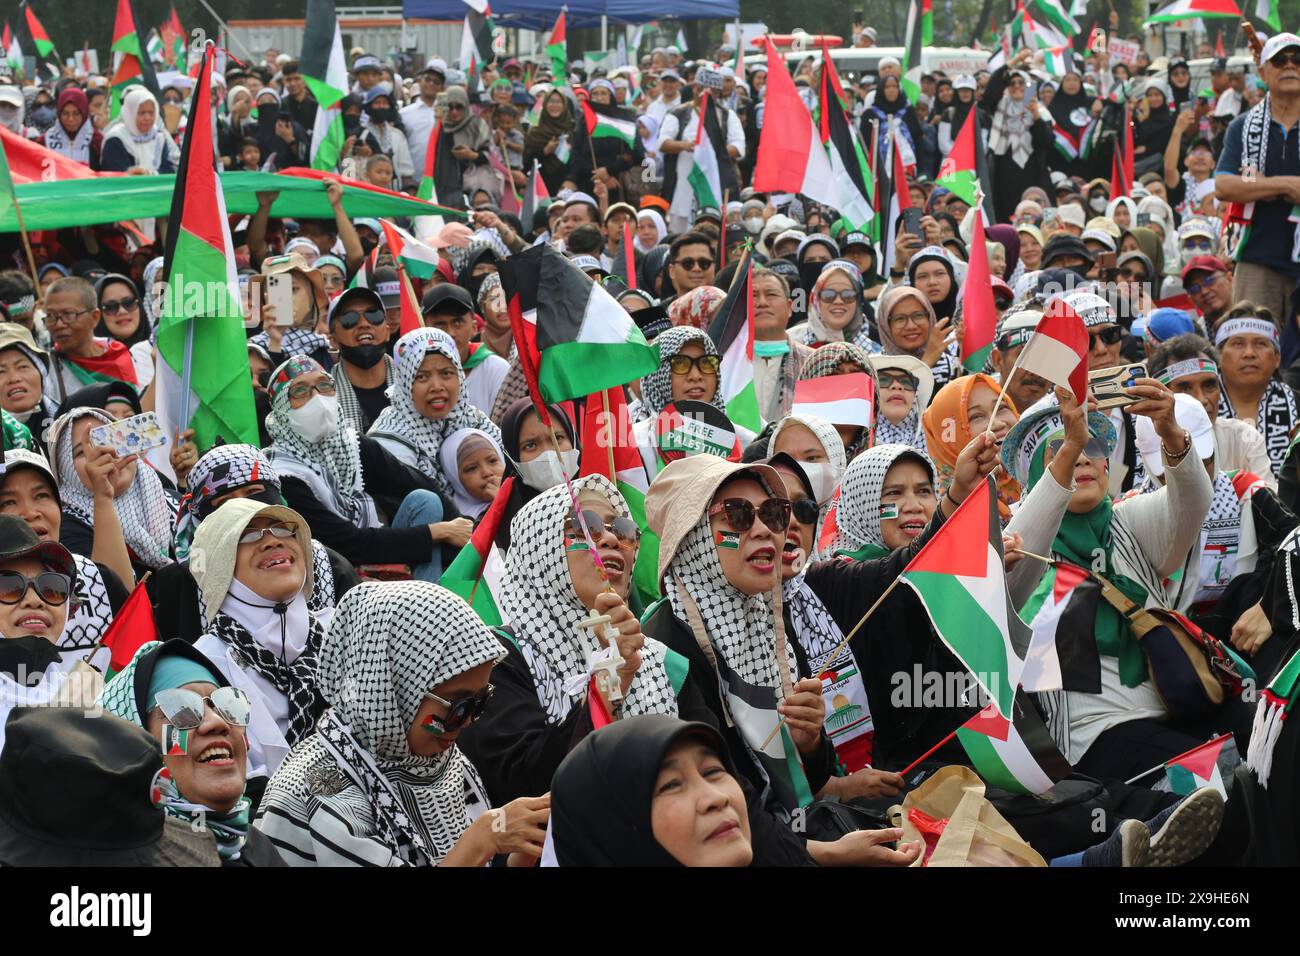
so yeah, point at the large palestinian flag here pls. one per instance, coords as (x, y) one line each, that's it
(791, 157)
(573, 338)
(732, 331)
(476, 573)
(849, 166)
(130, 63)
(326, 73)
(203, 377)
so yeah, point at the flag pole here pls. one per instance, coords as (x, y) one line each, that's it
(27, 244)
(609, 438)
(915, 763)
(839, 648)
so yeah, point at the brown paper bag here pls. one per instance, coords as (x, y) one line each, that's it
(975, 834)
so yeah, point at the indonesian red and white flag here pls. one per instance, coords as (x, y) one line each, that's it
(791, 156)
(838, 399)
(1058, 349)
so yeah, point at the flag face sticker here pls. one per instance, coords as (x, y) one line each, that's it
(727, 539)
(175, 742)
(888, 512)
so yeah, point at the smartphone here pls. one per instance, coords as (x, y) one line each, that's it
(279, 296)
(130, 436)
(1107, 384)
(912, 222)
(1144, 219)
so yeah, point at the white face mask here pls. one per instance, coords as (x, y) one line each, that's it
(548, 469)
(316, 420)
(1098, 203)
(754, 225)
(822, 475)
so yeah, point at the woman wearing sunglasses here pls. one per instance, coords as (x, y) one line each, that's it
(836, 311)
(1137, 543)
(904, 386)
(381, 781)
(37, 581)
(199, 720)
(251, 563)
(550, 584)
(122, 317)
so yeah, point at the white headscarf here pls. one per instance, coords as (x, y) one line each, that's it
(148, 149)
(466, 504)
(660, 229)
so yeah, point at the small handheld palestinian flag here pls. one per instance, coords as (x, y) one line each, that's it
(476, 573)
(1058, 61)
(1195, 10)
(1205, 766)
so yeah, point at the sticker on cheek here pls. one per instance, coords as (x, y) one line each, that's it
(888, 512)
(433, 725)
(175, 742)
(575, 544)
(727, 539)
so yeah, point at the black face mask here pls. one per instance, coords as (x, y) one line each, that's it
(380, 116)
(26, 658)
(351, 124)
(364, 356)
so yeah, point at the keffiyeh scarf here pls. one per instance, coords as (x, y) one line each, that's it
(857, 514)
(1276, 418)
(402, 422)
(144, 510)
(1012, 130)
(77, 146)
(657, 387)
(294, 342)
(544, 609)
(350, 412)
(389, 645)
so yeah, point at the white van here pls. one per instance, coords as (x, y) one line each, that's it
(855, 62)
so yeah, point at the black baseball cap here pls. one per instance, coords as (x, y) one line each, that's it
(440, 296)
(20, 541)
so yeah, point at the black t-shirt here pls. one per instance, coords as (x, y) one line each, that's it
(372, 402)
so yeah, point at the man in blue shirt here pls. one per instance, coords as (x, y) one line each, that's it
(1260, 163)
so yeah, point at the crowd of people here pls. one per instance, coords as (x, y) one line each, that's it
(314, 697)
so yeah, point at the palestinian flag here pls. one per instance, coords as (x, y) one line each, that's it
(732, 331)
(1195, 10)
(325, 72)
(960, 580)
(1218, 43)
(1072, 145)
(1203, 766)
(1271, 713)
(203, 378)
(534, 193)
(791, 155)
(957, 172)
(573, 337)
(838, 399)
(476, 40)
(1032, 34)
(703, 177)
(1058, 16)
(1062, 651)
(849, 168)
(8, 197)
(900, 198)
(154, 47)
(1058, 349)
(603, 125)
(1121, 161)
(979, 312)
(173, 37)
(476, 573)
(132, 627)
(1266, 10)
(1058, 60)
(557, 50)
(13, 51)
(417, 258)
(918, 35)
(40, 39)
(130, 64)
(1016, 754)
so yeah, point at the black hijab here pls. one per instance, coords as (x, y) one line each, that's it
(466, 278)
(602, 791)
(948, 307)
(98, 396)
(142, 329)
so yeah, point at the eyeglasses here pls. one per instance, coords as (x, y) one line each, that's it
(302, 391)
(1286, 58)
(627, 531)
(56, 318)
(460, 712)
(454, 108)
(281, 531)
(184, 709)
(1209, 280)
(916, 318)
(1095, 449)
(350, 320)
(114, 306)
(707, 364)
(52, 587)
(1199, 245)
(1108, 336)
(1129, 274)
(805, 510)
(830, 295)
(690, 265)
(774, 513)
(901, 379)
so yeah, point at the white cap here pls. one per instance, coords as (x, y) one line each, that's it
(1099, 235)
(436, 63)
(1071, 214)
(871, 32)
(1189, 413)
(1276, 44)
(887, 61)
(963, 82)
(11, 95)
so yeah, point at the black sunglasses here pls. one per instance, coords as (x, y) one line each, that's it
(1286, 58)
(114, 306)
(903, 379)
(805, 510)
(1108, 336)
(740, 512)
(460, 712)
(690, 265)
(50, 586)
(350, 320)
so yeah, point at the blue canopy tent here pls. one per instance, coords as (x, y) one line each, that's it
(541, 14)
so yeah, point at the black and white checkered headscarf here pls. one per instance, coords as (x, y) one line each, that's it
(145, 512)
(401, 420)
(390, 643)
(857, 512)
(544, 610)
(657, 387)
